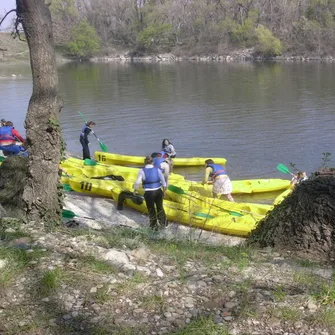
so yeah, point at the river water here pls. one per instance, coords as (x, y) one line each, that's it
(256, 115)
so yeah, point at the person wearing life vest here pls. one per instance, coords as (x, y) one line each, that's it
(8, 138)
(161, 162)
(153, 181)
(216, 174)
(87, 129)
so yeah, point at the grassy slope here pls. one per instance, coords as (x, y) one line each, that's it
(15, 49)
(39, 276)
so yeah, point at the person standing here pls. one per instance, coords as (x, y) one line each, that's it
(152, 181)
(85, 132)
(219, 178)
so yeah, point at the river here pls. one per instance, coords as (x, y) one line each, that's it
(256, 115)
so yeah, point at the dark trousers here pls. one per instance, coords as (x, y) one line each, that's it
(154, 202)
(86, 149)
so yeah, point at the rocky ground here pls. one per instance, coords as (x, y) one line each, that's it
(113, 276)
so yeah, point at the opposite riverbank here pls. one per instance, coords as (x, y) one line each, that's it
(14, 50)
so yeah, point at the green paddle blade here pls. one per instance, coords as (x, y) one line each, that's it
(283, 168)
(204, 215)
(67, 187)
(90, 162)
(2, 158)
(176, 189)
(68, 214)
(103, 147)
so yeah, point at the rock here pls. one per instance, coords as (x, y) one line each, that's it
(141, 254)
(3, 263)
(21, 243)
(93, 290)
(117, 258)
(312, 306)
(159, 273)
(230, 304)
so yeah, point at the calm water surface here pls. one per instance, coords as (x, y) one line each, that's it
(256, 115)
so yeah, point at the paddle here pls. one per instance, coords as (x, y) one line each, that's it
(284, 169)
(66, 213)
(2, 158)
(90, 162)
(67, 187)
(103, 146)
(109, 177)
(179, 190)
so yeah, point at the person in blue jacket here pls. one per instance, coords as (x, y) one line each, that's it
(87, 129)
(216, 174)
(161, 161)
(153, 181)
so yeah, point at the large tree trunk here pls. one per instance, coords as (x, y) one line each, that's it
(40, 195)
(304, 223)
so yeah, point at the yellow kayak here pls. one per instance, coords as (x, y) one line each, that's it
(282, 196)
(247, 186)
(117, 159)
(212, 219)
(191, 199)
(76, 167)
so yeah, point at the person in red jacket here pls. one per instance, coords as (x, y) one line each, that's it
(8, 138)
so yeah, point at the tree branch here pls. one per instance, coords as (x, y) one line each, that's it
(3, 19)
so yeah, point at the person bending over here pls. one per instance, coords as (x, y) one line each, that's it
(162, 162)
(8, 138)
(152, 181)
(216, 174)
(298, 178)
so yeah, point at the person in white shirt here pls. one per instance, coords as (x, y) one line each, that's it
(152, 181)
(162, 163)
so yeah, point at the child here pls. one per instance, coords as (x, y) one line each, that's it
(87, 129)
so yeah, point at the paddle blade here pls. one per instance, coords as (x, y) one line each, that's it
(103, 147)
(67, 187)
(176, 189)
(90, 162)
(204, 215)
(68, 214)
(283, 168)
(2, 158)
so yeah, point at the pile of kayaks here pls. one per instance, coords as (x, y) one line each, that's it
(186, 202)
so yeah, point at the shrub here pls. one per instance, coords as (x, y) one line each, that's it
(267, 44)
(84, 42)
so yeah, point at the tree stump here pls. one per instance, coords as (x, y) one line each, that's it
(304, 223)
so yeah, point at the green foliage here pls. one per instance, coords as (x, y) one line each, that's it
(50, 281)
(63, 7)
(84, 42)
(203, 326)
(242, 34)
(268, 45)
(326, 158)
(153, 34)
